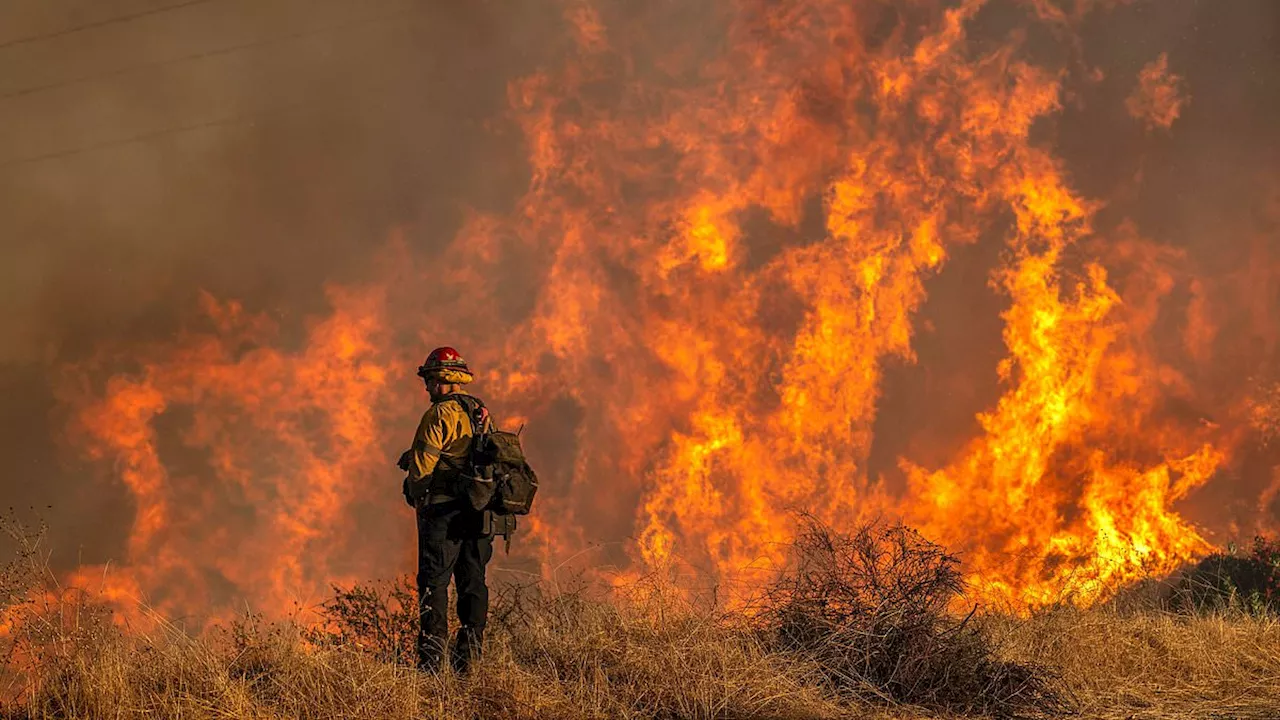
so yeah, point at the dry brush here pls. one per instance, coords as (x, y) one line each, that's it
(861, 625)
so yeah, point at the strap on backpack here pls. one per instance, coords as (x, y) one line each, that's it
(481, 426)
(476, 411)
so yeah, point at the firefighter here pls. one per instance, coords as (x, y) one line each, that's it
(453, 540)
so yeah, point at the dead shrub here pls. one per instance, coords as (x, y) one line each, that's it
(379, 619)
(872, 611)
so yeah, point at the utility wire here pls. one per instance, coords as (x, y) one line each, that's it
(208, 53)
(103, 23)
(193, 127)
(237, 119)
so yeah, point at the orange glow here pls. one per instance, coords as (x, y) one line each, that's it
(1159, 98)
(724, 252)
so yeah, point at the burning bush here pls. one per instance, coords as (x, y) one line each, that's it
(871, 609)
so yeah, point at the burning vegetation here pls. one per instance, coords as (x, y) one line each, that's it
(773, 259)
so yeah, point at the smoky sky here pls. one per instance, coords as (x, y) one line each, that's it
(258, 149)
(254, 149)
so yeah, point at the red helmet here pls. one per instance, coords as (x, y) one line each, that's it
(443, 358)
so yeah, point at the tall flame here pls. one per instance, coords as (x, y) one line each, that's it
(725, 243)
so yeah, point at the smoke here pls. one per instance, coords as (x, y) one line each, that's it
(1208, 190)
(253, 150)
(263, 153)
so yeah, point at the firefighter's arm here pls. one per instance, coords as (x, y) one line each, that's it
(425, 451)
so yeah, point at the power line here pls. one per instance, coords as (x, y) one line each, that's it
(193, 127)
(207, 54)
(103, 23)
(150, 136)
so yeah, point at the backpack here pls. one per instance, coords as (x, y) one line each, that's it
(510, 489)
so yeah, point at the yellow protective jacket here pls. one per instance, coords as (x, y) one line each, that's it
(439, 450)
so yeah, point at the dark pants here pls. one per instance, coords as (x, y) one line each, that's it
(451, 543)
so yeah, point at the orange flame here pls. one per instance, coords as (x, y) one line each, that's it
(723, 247)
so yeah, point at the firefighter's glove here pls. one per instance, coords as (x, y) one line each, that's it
(409, 498)
(405, 459)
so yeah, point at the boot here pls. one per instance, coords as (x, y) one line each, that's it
(431, 654)
(467, 649)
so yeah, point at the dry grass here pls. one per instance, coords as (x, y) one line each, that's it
(570, 658)
(647, 652)
(1154, 664)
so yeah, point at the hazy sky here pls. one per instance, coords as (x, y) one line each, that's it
(251, 148)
